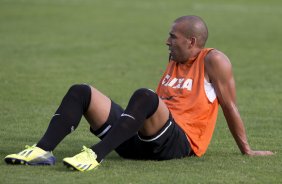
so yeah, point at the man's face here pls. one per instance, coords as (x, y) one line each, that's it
(178, 44)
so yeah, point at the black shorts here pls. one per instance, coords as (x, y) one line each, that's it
(169, 143)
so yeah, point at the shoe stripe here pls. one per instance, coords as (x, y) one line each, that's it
(29, 153)
(22, 153)
(87, 167)
(83, 167)
(25, 153)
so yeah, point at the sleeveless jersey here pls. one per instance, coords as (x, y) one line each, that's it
(191, 100)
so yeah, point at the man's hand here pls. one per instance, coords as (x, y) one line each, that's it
(259, 153)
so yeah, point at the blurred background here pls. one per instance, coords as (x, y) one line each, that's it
(119, 46)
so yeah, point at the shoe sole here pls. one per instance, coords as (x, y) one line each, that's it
(72, 168)
(69, 166)
(13, 161)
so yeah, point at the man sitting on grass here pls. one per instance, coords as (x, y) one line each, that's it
(176, 121)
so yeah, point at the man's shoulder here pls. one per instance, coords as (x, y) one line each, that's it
(214, 54)
(216, 62)
(215, 57)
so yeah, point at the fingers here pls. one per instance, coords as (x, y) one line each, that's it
(265, 153)
(260, 153)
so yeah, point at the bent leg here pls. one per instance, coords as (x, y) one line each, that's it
(81, 99)
(67, 117)
(155, 123)
(144, 104)
(160, 138)
(99, 109)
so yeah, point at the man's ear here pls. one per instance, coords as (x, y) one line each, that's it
(191, 42)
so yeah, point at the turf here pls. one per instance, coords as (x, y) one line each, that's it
(119, 46)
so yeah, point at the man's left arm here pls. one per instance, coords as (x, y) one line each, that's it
(218, 71)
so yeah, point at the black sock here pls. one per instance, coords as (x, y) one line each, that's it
(142, 105)
(67, 117)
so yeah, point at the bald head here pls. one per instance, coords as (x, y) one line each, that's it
(193, 26)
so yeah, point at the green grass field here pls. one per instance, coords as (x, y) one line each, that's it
(119, 46)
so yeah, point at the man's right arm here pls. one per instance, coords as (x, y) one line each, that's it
(219, 71)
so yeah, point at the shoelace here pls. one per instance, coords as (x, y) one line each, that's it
(86, 153)
(29, 147)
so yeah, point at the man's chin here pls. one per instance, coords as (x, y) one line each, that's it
(176, 60)
(171, 57)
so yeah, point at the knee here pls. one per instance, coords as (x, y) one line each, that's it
(144, 99)
(145, 95)
(81, 93)
(80, 89)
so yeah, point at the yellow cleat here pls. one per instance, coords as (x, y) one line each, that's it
(32, 155)
(84, 161)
